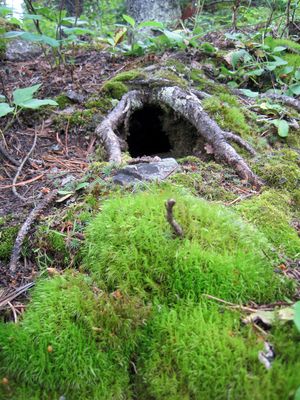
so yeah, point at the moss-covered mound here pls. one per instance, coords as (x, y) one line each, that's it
(270, 213)
(73, 341)
(131, 248)
(202, 352)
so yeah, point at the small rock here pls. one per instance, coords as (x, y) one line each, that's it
(21, 50)
(153, 171)
(74, 96)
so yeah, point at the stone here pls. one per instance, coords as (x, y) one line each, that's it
(152, 171)
(21, 50)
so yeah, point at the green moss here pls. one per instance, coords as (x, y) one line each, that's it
(73, 340)
(290, 44)
(127, 76)
(103, 104)
(280, 170)
(53, 243)
(269, 212)
(7, 240)
(203, 352)
(63, 101)
(130, 246)
(171, 76)
(115, 90)
(226, 112)
(179, 67)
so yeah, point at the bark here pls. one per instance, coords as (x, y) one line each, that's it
(188, 106)
(153, 10)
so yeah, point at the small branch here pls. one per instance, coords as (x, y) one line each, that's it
(231, 305)
(170, 218)
(21, 167)
(4, 300)
(25, 228)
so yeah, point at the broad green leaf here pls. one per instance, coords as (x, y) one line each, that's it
(12, 34)
(295, 89)
(150, 24)
(279, 61)
(32, 17)
(129, 19)
(249, 93)
(240, 55)
(297, 320)
(278, 49)
(78, 31)
(288, 69)
(297, 74)
(2, 98)
(256, 72)
(23, 95)
(282, 127)
(5, 109)
(37, 103)
(82, 185)
(173, 36)
(297, 394)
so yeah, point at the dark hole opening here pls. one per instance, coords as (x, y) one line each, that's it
(147, 136)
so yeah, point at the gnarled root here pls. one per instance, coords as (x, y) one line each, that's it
(187, 105)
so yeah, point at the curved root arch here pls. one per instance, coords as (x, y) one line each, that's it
(188, 106)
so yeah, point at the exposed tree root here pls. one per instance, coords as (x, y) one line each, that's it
(188, 106)
(25, 228)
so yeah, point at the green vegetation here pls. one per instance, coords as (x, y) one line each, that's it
(7, 240)
(203, 352)
(270, 213)
(74, 340)
(131, 248)
(226, 111)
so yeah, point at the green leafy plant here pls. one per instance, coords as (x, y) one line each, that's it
(23, 99)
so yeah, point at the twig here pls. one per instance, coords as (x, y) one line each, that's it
(170, 218)
(21, 167)
(4, 300)
(13, 311)
(248, 309)
(25, 228)
(23, 183)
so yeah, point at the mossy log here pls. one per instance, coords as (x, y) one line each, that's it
(188, 106)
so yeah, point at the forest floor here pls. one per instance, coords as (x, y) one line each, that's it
(68, 157)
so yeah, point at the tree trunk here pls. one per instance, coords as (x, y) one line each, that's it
(74, 7)
(153, 10)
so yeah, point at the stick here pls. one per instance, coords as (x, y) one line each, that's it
(170, 218)
(248, 309)
(21, 167)
(25, 228)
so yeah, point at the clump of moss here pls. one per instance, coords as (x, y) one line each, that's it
(269, 212)
(280, 170)
(7, 240)
(170, 76)
(203, 352)
(63, 101)
(73, 340)
(115, 90)
(103, 104)
(226, 112)
(177, 65)
(131, 247)
(127, 76)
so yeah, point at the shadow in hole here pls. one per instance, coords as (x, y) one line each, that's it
(147, 137)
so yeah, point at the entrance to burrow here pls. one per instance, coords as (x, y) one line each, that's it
(156, 131)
